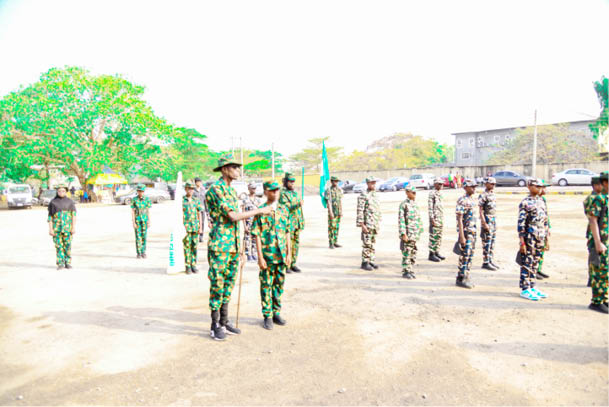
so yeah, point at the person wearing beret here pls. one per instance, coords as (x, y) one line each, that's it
(62, 225)
(598, 221)
(334, 201)
(466, 230)
(368, 219)
(140, 217)
(191, 210)
(289, 198)
(597, 188)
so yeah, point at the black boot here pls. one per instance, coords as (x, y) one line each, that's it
(194, 269)
(374, 265)
(602, 308)
(366, 266)
(331, 246)
(464, 282)
(541, 273)
(188, 270)
(337, 245)
(216, 331)
(230, 329)
(488, 266)
(295, 269)
(433, 257)
(143, 255)
(492, 263)
(589, 282)
(439, 256)
(268, 323)
(278, 320)
(139, 256)
(68, 266)
(539, 276)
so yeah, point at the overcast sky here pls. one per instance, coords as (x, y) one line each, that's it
(285, 71)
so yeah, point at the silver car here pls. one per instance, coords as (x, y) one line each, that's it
(155, 195)
(573, 176)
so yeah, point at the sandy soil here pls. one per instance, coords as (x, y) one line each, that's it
(117, 330)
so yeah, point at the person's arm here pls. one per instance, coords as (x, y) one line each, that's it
(359, 220)
(402, 223)
(431, 208)
(522, 220)
(133, 217)
(289, 251)
(73, 230)
(50, 222)
(481, 203)
(598, 244)
(461, 232)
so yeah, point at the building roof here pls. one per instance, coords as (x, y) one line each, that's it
(520, 127)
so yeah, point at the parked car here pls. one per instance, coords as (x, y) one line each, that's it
(511, 178)
(394, 184)
(363, 186)
(347, 186)
(156, 196)
(19, 196)
(447, 183)
(46, 196)
(422, 180)
(573, 176)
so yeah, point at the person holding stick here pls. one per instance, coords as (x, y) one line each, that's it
(598, 223)
(224, 244)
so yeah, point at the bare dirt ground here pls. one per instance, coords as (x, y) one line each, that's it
(119, 331)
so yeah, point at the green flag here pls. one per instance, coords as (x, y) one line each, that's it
(325, 174)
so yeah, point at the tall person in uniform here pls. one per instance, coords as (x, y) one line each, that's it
(436, 220)
(192, 213)
(140, 216)
(466, 230)
(410, 227)
(272, 236)
(293, 202)
(487, 203)
(224, 245)
(597, 188)
(200, 195)
(334, 201)
(532, 232)
(62, 225)
(369, 219)
(546, 246)
(598, 221)
(249, 203)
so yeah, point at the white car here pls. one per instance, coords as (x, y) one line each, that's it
(363, 186)
(422, 180)
(573, 176)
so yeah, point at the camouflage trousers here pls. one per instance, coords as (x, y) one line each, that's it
(190, 241)
(435, 235)
(295, 237)
(63, 248)
(141, 230)
(249, 242)
(530, 262)
(598, 280)
(222, 275)
(409, 255)
(333, 226)
(488, 239)
(271, 288)
(368, 241)
(465, 260)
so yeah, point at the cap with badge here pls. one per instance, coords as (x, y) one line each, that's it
(188, 184)
(536, 182)
(271, 186)
(140, 187)
(333, 178)
(371, 178)
(490, 180)
(64, 186)
(438, 181)
(224, 161)
(289, 177)
(410, 188)
(469, 183)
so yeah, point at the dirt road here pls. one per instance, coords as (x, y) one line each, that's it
(118, 330)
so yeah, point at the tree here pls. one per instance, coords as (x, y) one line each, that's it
(600, 128)
(80, 122)
(310, 157)
(555, 143)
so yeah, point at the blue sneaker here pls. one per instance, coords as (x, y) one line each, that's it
(529, 295)
(540, 294)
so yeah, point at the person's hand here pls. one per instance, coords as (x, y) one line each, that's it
(262, 263)
(134, 225)
(546, 247)
(331, 215)
(51, 232)
(523, 247)
(601, 248)
(431, 223)
(73, 230)
(485, 226)
(405, 238)
(266, 210)
(289, 260)
(364, 228)
(462, 240)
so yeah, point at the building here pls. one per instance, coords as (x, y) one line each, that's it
(474, 148)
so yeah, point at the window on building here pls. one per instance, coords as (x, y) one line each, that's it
(459, 143)
(465, 156)
(497, 138)
(471, 142)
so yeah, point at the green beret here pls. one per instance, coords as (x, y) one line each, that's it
(141, 187)
(289, 177)
(224, 161)
(410, 188)
(188, 184)
(469, 183)
(271, 186)
(595, 180)
(333, 178)
(371, 178)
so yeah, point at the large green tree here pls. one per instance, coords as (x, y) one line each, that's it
(600, 128)
(310, 157)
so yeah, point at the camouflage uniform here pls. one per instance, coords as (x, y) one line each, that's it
(62, 226)
(224, 244)
(545, 243)
(141, 207)
(466, 207)
(587, 203)
(369, 214)
(191, 209)
(292, 201)
(249, 204)
(533, 227)
(436, 216)
(273, 230)
(598, 274)
(334, 197)
(410, 225)
(488, 202)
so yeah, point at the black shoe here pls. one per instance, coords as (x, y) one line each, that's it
(539, 276)
(268, 323)
(295, 269)
(492, 263)
(143, 255)
(541, 273)
(366, 266)
(59, 267)
(337, 245)
(225, 323)
(230, 329)
(278, 320)
(200, 239)
(599, 307)
(589, 282)
(194, 269)
(289, 271)
(489, 266)
(139, 256)
(433, 257)
(68, 266)
(374, 266)
(331, 246)
(408, 275)
(188, 271)
(465, 283)
(217, 331)
(439, 256)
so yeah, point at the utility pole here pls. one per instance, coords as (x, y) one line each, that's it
(534, 164)
(273, 160)
(242, 163)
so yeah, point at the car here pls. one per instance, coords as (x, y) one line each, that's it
(422, 180)
(347, 186)
(19, 196)
(156, 196)
(363, 186)
(447, 183)
(511, 178)
(573, 176)
(46, 196)
(394, 184)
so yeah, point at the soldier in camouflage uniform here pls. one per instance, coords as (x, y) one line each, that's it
(249, 203)
(191, 210)
(532, 231)
(224, 245)
(466, 230)
(597, 188)
(272, 236)
(410, 227)
(598, 222)
(140, 217)
(62, 225)
(436, 220)
(369, 219)
(334, 201)
(290, 198)
(487, 202)
(540, 274)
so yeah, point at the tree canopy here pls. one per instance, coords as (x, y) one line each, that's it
(600, 128)
(310, 157)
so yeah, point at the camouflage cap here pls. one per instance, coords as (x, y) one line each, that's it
(252, 185)
(189, 184)
(271, 186)
(595, 180)
(410, 188)
(289, 177)
(224, 161)
(333, 178)
(604, 176)
(140, 187)
(438, 180)
(61, 185)
(536, 182)
(371, 178)
(490, 180)
(469, 183)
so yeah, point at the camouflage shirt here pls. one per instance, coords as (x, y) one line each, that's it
(587, 203)
(141, 206)
(61, 214)
(532, 218)
(273, 230)
(334, 197)
(191, 208)
(409, 220)
(224, 234)
(465, 207)
(434, 206)
(545, 205)
(291, 200)
(368, 210)
(598, 209)
(488, 202)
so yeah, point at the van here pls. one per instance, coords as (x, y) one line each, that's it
(19, 196)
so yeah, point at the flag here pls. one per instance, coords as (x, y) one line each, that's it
(324, 177)
(176, 249)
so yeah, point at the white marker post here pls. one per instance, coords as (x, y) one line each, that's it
(176, 247)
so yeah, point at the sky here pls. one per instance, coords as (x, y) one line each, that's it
(281, 72)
